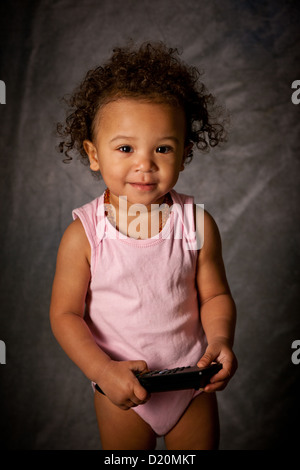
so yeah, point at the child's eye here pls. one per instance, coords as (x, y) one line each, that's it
(125, 149)
(163, 149)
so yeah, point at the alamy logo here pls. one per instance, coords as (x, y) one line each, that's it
(2, 92)
(192, 234)
(2, 352)
(296, 94)
(296, 354)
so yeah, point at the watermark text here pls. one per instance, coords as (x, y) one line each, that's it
(2, 352)
(139, 222)
(151, 459)
(296, 354)
(296, 94)
(2, 92)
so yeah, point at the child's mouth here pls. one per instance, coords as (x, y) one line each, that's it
(143, 186)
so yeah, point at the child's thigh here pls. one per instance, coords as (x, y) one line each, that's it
(120, 429)
(198, 428)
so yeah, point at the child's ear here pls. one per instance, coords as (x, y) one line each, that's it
(186, 153)
(91, 152)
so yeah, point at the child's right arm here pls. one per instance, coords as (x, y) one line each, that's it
(67, 307)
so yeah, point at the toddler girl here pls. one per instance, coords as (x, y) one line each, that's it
(140, 282)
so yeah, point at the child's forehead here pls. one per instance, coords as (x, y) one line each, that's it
(135, 111)
(131, 105)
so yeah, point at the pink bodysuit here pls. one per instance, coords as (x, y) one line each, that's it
(142, 300)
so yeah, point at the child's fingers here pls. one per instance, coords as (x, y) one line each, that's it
(139, 396)
(220, 380)
(140, 393)
(216, 386)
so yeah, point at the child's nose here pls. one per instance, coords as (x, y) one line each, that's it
(145, 163)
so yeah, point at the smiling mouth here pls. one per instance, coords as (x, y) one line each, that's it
(143, 186)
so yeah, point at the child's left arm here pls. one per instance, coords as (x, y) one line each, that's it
(217, 307)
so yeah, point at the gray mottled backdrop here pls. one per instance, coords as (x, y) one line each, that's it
(249, 51)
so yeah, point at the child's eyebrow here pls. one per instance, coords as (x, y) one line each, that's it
(121, 137)
(171, 137)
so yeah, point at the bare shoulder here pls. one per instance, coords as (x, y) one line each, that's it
(207, 231)
(210, 228)
(211, 274)
(74, 241)
(72, 273)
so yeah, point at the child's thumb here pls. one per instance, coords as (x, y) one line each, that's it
(205, 360)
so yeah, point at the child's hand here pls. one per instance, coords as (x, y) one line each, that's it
(120, 385)
(219, 351)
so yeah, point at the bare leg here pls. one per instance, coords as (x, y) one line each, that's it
(198, 428)
(122, 430)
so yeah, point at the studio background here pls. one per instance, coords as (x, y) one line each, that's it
(249, 51)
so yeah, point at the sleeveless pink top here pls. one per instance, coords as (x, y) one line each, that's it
(142, 299)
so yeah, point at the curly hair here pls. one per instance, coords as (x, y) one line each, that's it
(153, 72)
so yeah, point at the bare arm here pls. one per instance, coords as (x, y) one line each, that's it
(67, 307)
(217, 307)
(68, 303)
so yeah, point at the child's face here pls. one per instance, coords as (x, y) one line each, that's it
(139, 149)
